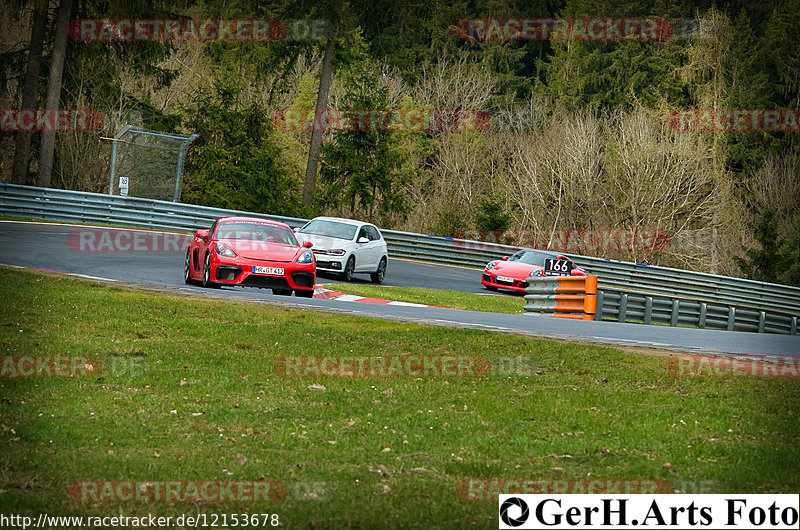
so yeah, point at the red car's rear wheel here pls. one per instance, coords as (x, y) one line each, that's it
(187, 269)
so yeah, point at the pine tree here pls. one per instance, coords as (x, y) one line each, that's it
(360, 165)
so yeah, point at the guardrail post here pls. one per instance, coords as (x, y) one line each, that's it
(598, 315)
(731, 318)
(179, 173)
(676, 307)
(590, 300)
(794, 326)
(113, 172)
(762, 320)
(648, 309)
(703, 311)
(623, 307)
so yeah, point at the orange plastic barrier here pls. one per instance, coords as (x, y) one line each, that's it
(573, 297)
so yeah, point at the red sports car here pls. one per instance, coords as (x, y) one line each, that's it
(251, 251)
(513, 273)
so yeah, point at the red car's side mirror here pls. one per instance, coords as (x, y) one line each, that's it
(308, 244)
(202, 234)
(504, 258)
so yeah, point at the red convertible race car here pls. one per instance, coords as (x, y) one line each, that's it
(252, 252)
(513, 273)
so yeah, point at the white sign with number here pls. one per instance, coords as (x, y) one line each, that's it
(123, 186)
(557, 267)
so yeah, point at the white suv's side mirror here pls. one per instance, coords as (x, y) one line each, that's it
(362, 239)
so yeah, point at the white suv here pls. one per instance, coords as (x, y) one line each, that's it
(346, 246)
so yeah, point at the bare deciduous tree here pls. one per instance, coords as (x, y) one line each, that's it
(54, 91)
(660, 179)
(30, 90)
(776, 185)
(555, 174)
(454, 84)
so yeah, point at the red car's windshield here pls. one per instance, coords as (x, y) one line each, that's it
(532, 257)
(252, 231)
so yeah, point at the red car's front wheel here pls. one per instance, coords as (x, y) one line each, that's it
(207, 273)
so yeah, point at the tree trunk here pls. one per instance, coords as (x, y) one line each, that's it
(30, 91)
(54, 92)
(322, 105)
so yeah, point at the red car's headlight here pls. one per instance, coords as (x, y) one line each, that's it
(224, 250)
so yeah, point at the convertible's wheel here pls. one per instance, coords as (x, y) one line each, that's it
(207, 274)
(282, 292)
(187, 268)
(347, 275)
(304, 293)
(380, 274)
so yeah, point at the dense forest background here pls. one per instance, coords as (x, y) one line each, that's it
(578, 137)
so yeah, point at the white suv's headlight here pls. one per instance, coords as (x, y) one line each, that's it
(224, 250)
(306, 257)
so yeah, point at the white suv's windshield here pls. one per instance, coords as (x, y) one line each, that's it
(321, 227)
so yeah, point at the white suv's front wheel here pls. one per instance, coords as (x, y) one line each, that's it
(349, 269)
(380, 274)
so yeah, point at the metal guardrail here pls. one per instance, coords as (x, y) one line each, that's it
(624, 305)
(749, 295)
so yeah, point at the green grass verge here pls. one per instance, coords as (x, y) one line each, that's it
(419, 295)
(189, 393)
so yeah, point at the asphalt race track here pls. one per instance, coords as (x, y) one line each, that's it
(45, 246)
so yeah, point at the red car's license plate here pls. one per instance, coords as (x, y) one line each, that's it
(272, 271)
(505, 279)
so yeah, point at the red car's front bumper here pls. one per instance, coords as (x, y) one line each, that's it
(239, 271)
(519, 285)
(490, 280)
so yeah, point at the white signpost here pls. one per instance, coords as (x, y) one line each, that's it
(123, 186)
